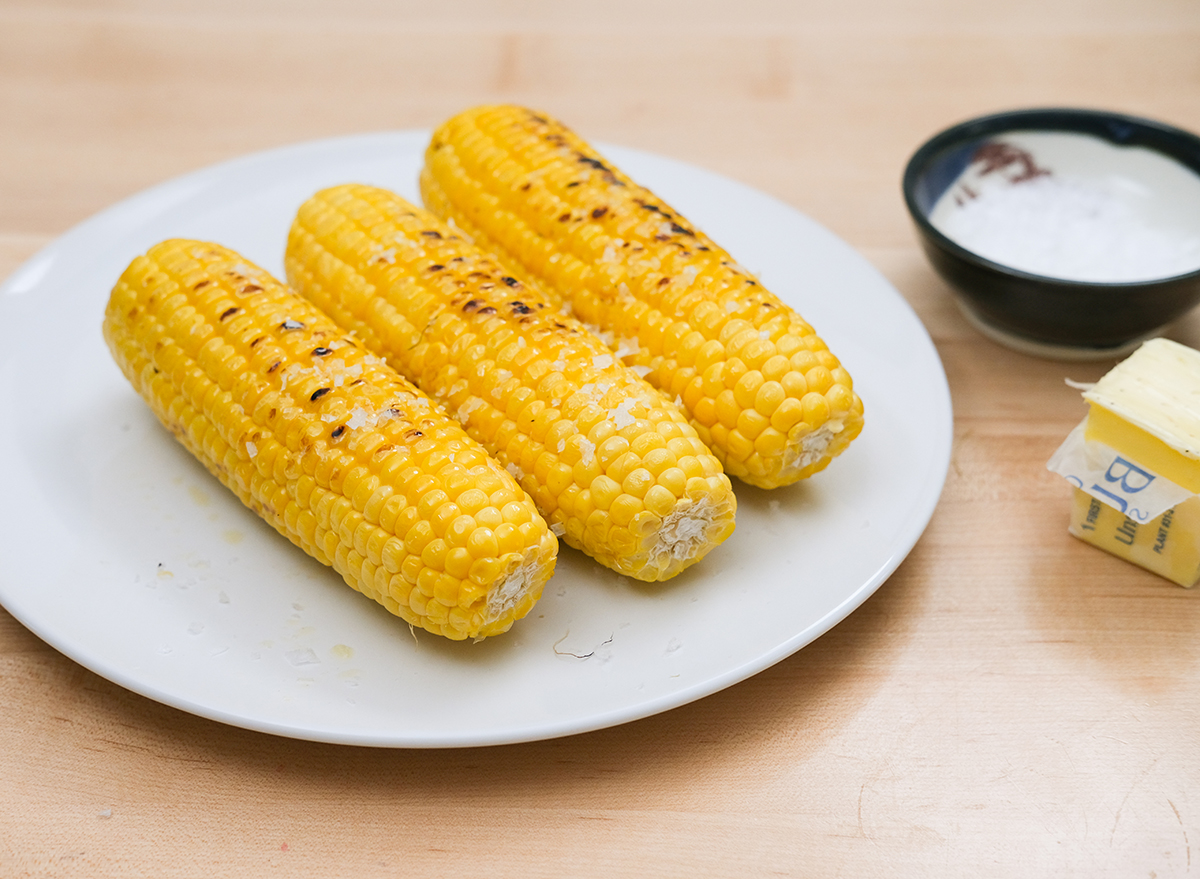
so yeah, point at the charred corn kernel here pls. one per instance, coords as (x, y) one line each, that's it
(667, 298)
(555, 406)
(335, 450)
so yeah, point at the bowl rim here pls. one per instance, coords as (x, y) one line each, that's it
(1120, 129)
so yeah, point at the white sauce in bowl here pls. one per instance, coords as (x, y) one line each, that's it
(1075, 207)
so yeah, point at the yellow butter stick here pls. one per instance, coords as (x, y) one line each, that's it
(1147, 408)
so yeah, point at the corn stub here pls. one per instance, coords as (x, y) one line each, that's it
(615, 468)
(340, 454)
(760, 386)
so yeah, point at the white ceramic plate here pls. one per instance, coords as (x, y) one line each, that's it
(123, 553)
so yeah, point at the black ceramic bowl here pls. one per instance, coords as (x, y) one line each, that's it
(1059, 313)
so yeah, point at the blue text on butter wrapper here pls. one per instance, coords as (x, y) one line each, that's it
(1126, 481)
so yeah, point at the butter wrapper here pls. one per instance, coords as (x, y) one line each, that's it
(1115, 480)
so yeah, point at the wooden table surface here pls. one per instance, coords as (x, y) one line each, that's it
(1010, 702)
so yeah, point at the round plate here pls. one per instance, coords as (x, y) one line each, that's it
(123, 553)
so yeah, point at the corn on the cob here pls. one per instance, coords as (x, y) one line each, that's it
(614, 467)
(330, 446)
(760, 386)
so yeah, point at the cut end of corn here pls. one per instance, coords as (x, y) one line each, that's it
(704, 522)
(761, 388)
(509, 594)
(613, 466)
(340, 454)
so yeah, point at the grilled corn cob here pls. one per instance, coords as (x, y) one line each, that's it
(760, 386)
(614, 467)
(339, 453)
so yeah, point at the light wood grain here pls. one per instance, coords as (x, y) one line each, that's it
(1011, 702)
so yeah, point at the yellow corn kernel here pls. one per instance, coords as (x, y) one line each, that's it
(557, 408)
(320, 438)
(531, 191)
